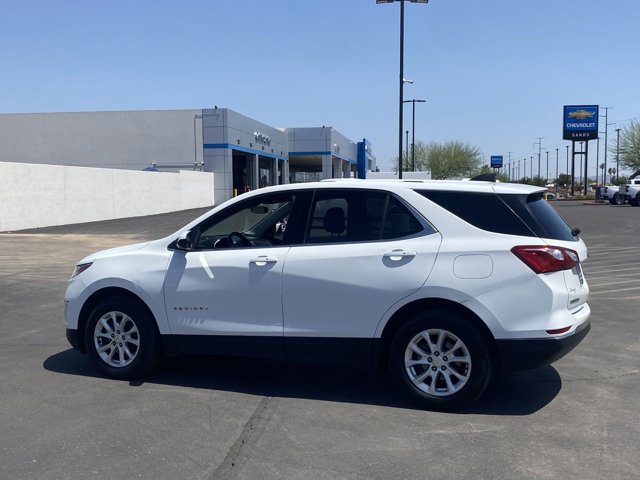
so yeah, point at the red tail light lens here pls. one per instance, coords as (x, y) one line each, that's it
(546, 259)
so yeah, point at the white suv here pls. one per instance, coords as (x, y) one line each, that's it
(443, 282)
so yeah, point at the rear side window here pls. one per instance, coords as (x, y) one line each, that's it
(541, 217)
(339, 216)
(483, 210)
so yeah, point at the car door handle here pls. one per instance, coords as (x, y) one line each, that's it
(399, 254)
(260, 261)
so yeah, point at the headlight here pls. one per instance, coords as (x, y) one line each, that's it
(80, 268)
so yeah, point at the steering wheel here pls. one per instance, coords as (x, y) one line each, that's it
(237, 239)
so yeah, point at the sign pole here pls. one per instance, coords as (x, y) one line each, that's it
(586, 170)
(573, 165)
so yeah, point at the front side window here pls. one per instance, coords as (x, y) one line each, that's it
(258, 223)
(339, 216)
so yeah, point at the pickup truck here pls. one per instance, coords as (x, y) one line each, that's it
(631, 191)
(611, 193)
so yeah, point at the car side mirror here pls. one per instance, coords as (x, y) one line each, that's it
(185, 241)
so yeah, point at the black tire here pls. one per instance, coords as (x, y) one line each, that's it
(132, 356)
(633, 202)
(434, 392)
(617, 200)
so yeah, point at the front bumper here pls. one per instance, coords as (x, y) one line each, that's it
(72, 338)
(529, 354)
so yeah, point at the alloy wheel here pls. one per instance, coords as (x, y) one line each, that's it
(437, 362)
(116, 339)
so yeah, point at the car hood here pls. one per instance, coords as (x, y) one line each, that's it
(111, 252)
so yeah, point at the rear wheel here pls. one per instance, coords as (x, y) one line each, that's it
(121, 339)
(617, 200)
(441, 360)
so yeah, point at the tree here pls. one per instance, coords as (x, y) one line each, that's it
(620, 180)
(453, 158)
(537, 181)
(563, 180)
(503, 177)
(629, 146)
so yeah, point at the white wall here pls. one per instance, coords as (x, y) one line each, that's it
(44, 195)
(125, 139)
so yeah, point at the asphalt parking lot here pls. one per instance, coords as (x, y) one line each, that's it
(211, 418)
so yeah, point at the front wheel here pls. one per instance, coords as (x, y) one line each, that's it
(121, 339)
(441, 360)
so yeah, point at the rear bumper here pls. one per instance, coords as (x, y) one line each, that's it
(529, 354)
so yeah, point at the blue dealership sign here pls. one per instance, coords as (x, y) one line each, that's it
(580, 122)
(496, 161)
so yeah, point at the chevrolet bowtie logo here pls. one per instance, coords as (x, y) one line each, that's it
(581, 114)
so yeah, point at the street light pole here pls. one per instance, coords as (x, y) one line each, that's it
(617, 155)
(547, 165)
(532, 167)
(407, 142)
(539, 154)
(413, 133)
(606, 133)
(556, 166)
(401, 89)
(598, 160)
(401, 75)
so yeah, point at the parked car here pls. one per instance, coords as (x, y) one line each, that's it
(631, 191)
(443, 282)
(612, 193)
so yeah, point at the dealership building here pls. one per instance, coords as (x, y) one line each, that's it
(243, 153)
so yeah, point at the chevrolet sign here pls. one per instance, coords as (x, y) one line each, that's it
(580, 122)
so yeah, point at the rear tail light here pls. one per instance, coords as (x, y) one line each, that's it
(546, 258)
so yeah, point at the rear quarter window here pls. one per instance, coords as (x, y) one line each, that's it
(482, 210)
(510, 214)
(540, 216)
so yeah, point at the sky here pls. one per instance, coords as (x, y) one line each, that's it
(495, 73)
